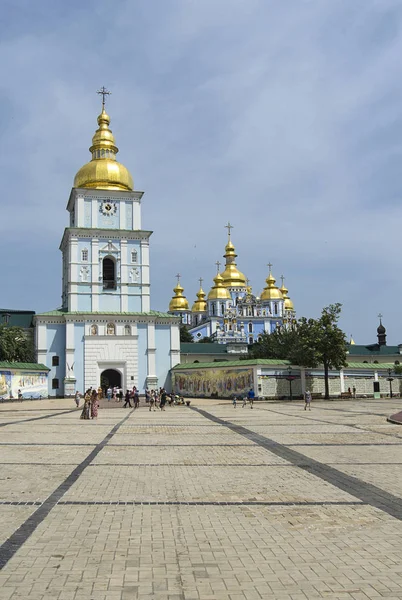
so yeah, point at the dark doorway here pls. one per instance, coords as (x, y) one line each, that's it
(109, 275)
(111, 378)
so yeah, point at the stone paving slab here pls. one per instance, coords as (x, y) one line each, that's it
(249, 522)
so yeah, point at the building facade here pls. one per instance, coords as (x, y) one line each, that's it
(105, 332)
(231, 313)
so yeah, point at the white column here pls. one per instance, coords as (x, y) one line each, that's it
(303, 380)
(123, 276)
(151, 350)
(342, 380)
(94, 213)
(73, 273)
(122, 205)
(174, 345)
(136, 214)
(95, 276)
(70, 348)
(41, 342)
(145, 293)
(79, 211)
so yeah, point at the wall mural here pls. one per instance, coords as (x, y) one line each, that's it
(212, 382)
(31, 384)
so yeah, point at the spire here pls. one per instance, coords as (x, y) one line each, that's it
(178, 302)
(271, 291)
(288, 304)
(103, 171)
(381, 333)
(200, 305)
(232, 277)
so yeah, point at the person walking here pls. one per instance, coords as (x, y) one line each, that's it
(109, 393)
(251, 396)
(86, 409)
(152, 401)
(77, 399)
(136, 398)
(127, 399)
(94, 405)
(354, 391)
(244, 401)
(234, 401)
(307, 400)
(163, 399)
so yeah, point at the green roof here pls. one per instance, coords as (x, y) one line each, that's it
(199, 348)
(233, 363)
(17, 318)
(372, 349)
(372, 366)
(24, 366)
(61, 311)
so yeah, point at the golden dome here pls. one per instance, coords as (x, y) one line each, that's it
(178, 302)
(288, 304)
(231, 276)
(219, 292)
(103, 172)
(200, 305)
(271, 292)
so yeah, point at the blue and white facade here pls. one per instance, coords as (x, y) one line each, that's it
(106, 323)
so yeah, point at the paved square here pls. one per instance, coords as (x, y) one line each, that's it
(208, 502)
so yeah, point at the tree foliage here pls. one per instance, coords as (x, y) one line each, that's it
(185, 335)
(16, 345)
(205, 340)
(310, 343)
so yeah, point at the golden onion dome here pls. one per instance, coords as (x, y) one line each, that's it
(103, 172)
(271, 292)
(218, 291)
(178, 301)
(288, 304)
(200, 305)
(231, 276)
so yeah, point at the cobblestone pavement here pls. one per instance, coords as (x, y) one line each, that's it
(208, 502)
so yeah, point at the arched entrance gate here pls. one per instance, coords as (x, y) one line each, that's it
(110, 378)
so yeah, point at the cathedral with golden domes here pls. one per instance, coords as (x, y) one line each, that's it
(231, 313)
(105, 332)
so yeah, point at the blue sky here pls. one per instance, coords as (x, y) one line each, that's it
(283, 117)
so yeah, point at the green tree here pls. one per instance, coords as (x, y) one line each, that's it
(310, 343)
(205, 340)
(16, 345)
(185, 335)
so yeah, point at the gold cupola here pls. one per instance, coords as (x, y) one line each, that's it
(178, 302)
(218, 291)
(231, 276)
(200, 305)
(103, 172)
(271, 291)
(288, 304)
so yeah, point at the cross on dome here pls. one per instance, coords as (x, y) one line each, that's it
(200, 280)
(178, 277)
(229, 227)
(218, 264)
(103, 92)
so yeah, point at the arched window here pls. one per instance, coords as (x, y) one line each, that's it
(94, 330)
(111, 329)
(250, 339)
(127, 329)
(222, 309)
(213, 308)
(84, 255)
(109, 273)
(250, 328)
(275, 308)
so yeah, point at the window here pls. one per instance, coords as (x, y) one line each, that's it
(127, 330)
(111, 329)
(222, 309)
(109, 274)
(94, 329)
(84, 255)
(250, 339)
(213, 308)
(55, 362)
(134, 256)
(55, 384)
(275, 308)
(250, 328)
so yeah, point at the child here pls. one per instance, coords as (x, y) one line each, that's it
(307, 397)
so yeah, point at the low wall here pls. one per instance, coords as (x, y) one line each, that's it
(31, 382)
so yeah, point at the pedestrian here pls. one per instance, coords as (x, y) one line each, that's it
(77, 398)
(115, 393)
(87, 406)
(127, 399)
(109, 393)
(136, 398)
(120, 395)
(307, 400)
(244, 401)
(163, 399)
(94, 404)
(349, 392)
(354, 391)
(152, 401)
(100, 393)
(20, 396)
(234, 401)
(251, 396)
